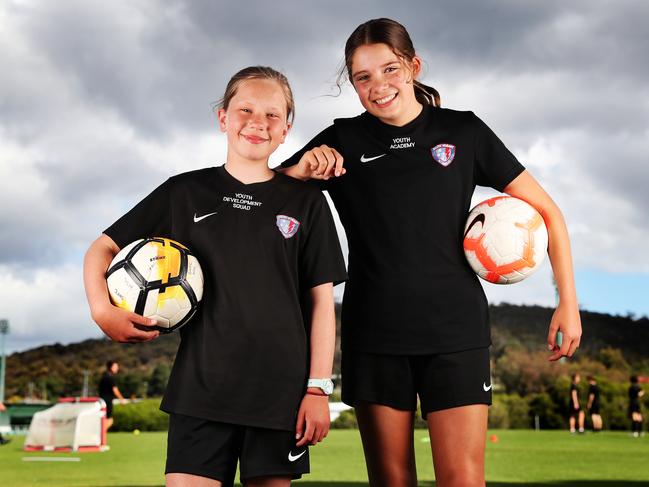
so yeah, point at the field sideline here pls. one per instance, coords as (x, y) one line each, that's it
(547, 458)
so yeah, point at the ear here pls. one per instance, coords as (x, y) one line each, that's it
(285, 132)
(221, 115)
(415, 66)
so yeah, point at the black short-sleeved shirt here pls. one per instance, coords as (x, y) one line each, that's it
(573, 405)
(404, 202)
(594, 390)
(243, 358)
(634, 395)
(106, 384)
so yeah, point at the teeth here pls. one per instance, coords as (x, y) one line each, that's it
(384, 100)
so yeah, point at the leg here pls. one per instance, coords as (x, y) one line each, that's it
(597, 422)
(582, 417)
(571, 421)
(458, 437)
(107, 424)
(268, 482)
(388, 444)
(636, 423)
(189, 480)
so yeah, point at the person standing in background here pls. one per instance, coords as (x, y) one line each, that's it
(593, 404)
(108, 390)
(577, 415)
(635, 412)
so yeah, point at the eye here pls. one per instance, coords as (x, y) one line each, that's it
(246, 110)
(273, 115)
(391, 69)
(361, 78)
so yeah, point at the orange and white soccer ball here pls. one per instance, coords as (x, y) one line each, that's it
(505, 240)
(158, 278)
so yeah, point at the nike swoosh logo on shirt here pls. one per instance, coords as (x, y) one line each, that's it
(199, 218)
(292, 458)
(368, 159)
(485, 387)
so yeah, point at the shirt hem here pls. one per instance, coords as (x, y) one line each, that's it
(230, 418)
(416, 351)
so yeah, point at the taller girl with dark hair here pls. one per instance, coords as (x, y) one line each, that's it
(414, 315)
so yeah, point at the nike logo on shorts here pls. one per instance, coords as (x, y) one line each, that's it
(292, 458)
(368, 159)
(199, 218)
(486, 387)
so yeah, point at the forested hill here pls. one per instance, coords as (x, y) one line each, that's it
(528, 325)
(55, 370)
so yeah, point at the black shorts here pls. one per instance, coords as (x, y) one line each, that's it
(575, 411)
(109, 407)
(441, 381)
(594, 409)
(211, 449)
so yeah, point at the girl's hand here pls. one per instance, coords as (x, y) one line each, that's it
(124, 326)
(321, 163)
(566, 320)
(312, 420)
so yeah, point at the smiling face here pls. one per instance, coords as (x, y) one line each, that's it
(255, 121)
(384, 83)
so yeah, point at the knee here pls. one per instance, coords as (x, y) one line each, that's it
(468, 474)
(393, 475)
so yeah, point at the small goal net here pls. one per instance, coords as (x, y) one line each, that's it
(73, 424)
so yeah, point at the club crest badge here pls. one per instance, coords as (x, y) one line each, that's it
(443, 153)
(287, 225)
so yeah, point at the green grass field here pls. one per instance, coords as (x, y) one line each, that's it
(548, 458)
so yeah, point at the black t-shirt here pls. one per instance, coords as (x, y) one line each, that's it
(594, 390)
(243, 358)
(634, 395)
(573, 404)
(404, 202)
(106, 384)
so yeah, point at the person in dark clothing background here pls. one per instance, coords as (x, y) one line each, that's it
(593, 404)
(108, 390)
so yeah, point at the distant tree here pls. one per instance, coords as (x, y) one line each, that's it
(550, 415)
(612, 358)
(522, 372)
(130, 384)
(158, 380)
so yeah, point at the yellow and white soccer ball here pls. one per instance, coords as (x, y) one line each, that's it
(505, 240)
(158, 278)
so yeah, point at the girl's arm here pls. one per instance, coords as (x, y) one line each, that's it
(118, 324)
(317, 159)
(566, 317)
(320, 162)
(313, 416)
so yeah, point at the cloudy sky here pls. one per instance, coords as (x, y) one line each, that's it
(101, 101)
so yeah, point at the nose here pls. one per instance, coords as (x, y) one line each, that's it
(380, 82)
(257, 121)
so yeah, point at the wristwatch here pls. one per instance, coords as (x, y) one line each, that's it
(325, 385)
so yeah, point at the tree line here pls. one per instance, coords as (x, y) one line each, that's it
(527, 387)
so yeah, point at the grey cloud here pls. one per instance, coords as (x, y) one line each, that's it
(90, 88)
